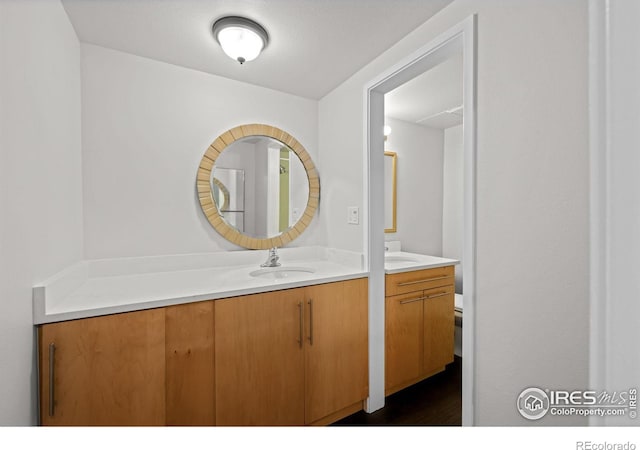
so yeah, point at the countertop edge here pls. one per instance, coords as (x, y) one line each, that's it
(40, 318)
(419, 267)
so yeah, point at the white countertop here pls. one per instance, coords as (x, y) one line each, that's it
(398, 261)
(98, 287)
(109, 286)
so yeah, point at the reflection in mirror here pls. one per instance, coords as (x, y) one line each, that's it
(267, 186)
(227, 186)
(390, 195)
(258, 186)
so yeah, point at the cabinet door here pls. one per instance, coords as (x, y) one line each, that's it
(260, 359)
(337, 350)
(190, 364)
(439, 328)
(403, 340)
(107, 370)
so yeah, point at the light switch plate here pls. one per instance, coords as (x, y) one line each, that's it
(353, 215)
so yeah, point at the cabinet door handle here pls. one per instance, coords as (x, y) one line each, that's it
(301, 336)
(413, 300)
(409, 283)
(52, 355)
(437, 295)
(310, 321)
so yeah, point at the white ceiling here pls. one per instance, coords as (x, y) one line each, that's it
(314, 44)
(426, 99)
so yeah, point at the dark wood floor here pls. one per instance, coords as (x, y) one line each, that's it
(434, 401)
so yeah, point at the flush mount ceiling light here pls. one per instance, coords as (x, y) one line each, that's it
(240, 38)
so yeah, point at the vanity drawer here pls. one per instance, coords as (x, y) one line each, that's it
(418, 280)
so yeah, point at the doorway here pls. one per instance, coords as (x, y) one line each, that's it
(459, 39)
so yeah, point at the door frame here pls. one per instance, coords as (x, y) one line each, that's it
(462, 36)
(613, 187)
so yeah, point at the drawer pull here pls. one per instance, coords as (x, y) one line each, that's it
(301, 339)
(437, 295)
(52, 355)
(311, 322)
(413, 300)
(409, 283)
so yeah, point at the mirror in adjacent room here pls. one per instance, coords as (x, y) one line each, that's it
(390, 192)
(258, 186)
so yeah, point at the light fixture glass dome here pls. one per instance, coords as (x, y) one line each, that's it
(240, 38)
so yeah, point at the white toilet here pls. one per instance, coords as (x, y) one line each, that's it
(458, 302)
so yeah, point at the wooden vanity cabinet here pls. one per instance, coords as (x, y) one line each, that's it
(336, 351)
(152, 367)
(404, 343)
(260, 359)
(190, 364)
(292, 357)
(439, 329)
(105, 370)
(419, 325)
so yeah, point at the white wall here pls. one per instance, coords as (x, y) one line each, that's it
(532, 192)
(146, 125)
(419, 186)
(341, 181)
(40, 181)
(453, 199)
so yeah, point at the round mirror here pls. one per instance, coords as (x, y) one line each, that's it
(258, 186)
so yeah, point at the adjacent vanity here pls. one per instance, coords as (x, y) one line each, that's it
(419, 317)
(419, 303)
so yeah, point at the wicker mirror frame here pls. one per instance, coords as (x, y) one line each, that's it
(205, 194)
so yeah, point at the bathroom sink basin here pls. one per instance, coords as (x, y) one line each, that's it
(394, 258)
(276, 273)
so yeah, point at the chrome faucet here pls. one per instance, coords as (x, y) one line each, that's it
(272, 259)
